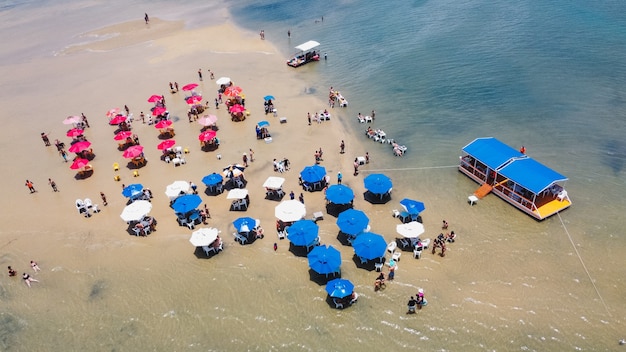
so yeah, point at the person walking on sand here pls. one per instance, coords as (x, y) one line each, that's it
(45, 139)
(301, 198)
(342, 147)
(28, 279)
(12, 272)
(245, 159)
(53, 185)
(33, 264)
(356, 167)
(31, 186)
(251, 152)
(104, 199)
(63, 154)
(200, 74)
(146, 18)
(308, 117)
(289, 33)
(339, 177)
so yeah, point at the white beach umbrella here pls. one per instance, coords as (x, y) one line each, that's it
(290, 210)
(411, 229)
(274, 182)
(174, 190)
(204, 236)
(136, 210)
(222, 80)
(237, 193)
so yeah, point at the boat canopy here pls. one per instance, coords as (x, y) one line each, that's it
(491, 152)
(531, 175)
(308, 45)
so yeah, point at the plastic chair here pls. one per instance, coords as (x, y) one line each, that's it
(116, 167)
(396, 256)
(417, 252)
(378, 266)
(391, 247)
(338, 305)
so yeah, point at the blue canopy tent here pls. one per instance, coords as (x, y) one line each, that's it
(413, 207)
(324, 260)
(531, 175)
(339, 194)
(352, 222)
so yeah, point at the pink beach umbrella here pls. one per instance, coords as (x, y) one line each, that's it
(167, 144)
(79, 164)
(70, 120)
(190, 86)
(154, 98)
(232, 91)
(75, 132)
(163, 124)
(123, 135)
(194, 99)
(133, 152)
(79, 146)
(113, 112)
(207, 120)
(117, 120)
(158, 111)
(207, 135)
(237, 108)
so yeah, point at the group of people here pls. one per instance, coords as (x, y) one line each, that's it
(26, 277)
(441, 240)
(416, 303)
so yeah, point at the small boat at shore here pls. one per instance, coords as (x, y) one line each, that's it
(306, 53)
(513, 176)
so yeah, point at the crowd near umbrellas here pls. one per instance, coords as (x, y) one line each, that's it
(113, 112)
(290, 210)
(324, 260)
(207, 120)
(79, 146)
(237, 108)
(79, 163)
(70, 120)
(204, 236)
(245, 224)
(339, 194)
(413, 207)
(302, 232)
(185, 204)
(158, 111)
(117, 120)
(352, 221)
(163, 124)
(339, 288)
(155, 98)
(75, 132)
(207, 135)
(369, 246)
(378, 183)
(232, 91)
(136, 211)
(268, 97)
(312, 174)
(190, 86)
(194, 99)
(411, 229)
(222, 81)
(123, 135)
(166, 144)
(133, 190)
(133, 152)
(175, 189)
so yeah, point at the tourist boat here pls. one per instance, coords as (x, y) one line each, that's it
(513, 176)
(306, 53)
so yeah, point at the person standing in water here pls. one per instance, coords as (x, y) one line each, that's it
(146, 18)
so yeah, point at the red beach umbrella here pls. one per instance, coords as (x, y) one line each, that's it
(207, 135)
(133, 151)
(79, 146)
(194, 99)
(154, 98)
(207, 120)
(79, 164)
(237, 108)
(123, 135)
(163, 124)
(233, 91)
(190, 86)
(75, 132)
(117, 120)
(158, 111)
(113, 112)
(167, 144)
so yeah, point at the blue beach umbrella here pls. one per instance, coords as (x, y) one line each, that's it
(263, 123)
(324, 259)
(339, 194)
(312, 174)
(378, 183)
(302, 232)
(244, 224)
(352, 221)
(369, 246)
(187, 203)
(269, 97)
(133, 190)
(212, 179)
(413, 207)
(339, 288)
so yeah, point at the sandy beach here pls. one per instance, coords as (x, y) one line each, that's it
(102, 289)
